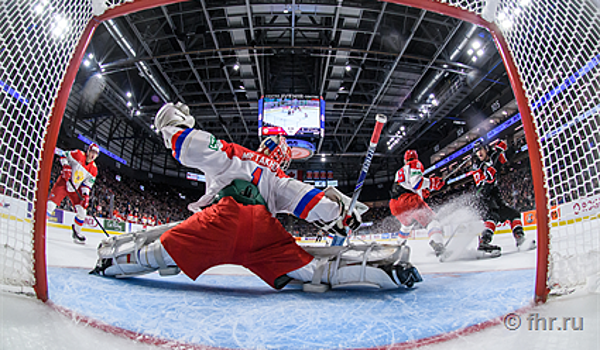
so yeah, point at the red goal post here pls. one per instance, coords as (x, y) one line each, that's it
(556, 94)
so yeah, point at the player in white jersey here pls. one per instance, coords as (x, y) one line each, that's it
(78, 174)
(407, 205)
(234, 221)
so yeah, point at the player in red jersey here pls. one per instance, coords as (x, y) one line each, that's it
(78, 173)
(407, 204)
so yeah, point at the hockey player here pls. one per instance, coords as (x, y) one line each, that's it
(234, 222)
(407, 205)
(494, 208)
(79, 170)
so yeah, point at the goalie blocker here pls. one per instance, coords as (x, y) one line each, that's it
(372, 266)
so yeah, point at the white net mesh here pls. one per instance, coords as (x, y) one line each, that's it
(37, 40)
(555, 45)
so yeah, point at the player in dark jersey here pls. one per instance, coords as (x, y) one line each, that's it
(489, 159)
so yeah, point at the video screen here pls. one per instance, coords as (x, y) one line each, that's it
(291, 115)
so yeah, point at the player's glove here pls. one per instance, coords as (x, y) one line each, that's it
(174, 115)
(85, 201)
(436, 183)
(66, 173)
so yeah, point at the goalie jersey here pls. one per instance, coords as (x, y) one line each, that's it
(223, 162)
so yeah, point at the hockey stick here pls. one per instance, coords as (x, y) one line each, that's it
(380, 120)
(81, 198)
(457, 168)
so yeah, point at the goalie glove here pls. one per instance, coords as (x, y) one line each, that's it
(174, 115)
(345, 222)
(341, 226)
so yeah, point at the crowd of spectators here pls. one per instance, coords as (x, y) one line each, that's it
(126, 199)
(118, 197)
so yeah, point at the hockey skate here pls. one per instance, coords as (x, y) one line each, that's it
(101, 266)
(438, 248)
(487, 250)
(519, 236)
(403, 273)
(77, 238)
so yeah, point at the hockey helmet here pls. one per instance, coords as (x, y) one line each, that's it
(93, 147)
(480, 145)
(276, 148)
(409, 155)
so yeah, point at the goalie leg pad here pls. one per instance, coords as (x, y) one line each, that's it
(134, 254)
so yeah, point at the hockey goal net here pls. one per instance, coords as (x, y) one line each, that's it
(550, 49)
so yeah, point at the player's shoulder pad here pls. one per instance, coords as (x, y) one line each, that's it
(78, 155)
(93, 169)
(416, 164)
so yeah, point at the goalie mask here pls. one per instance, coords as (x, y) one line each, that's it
(276, 148)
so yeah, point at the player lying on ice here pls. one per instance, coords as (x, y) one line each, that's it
(234, 222)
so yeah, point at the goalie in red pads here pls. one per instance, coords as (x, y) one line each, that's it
(407, 204)
(234, 221)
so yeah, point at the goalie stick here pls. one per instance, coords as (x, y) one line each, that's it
(95, 218)
(380, 120)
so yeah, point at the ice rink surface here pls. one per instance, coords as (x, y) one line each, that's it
(228, 307)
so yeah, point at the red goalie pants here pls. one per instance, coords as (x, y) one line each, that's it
(410, 207)
(59, 191)
(231, 233)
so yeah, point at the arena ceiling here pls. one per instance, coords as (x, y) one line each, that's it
(435, 77)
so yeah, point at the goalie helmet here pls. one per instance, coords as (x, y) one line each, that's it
(276, 148)
(409, 155)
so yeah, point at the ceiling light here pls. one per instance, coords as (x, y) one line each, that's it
(86, 63)
(480, 52)
(128, 103)
(236, 66)
(138, 113)
(91, 56)
(128, 94)
(470, 52)
(474, 58)
(476, 45)
(348, 68)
